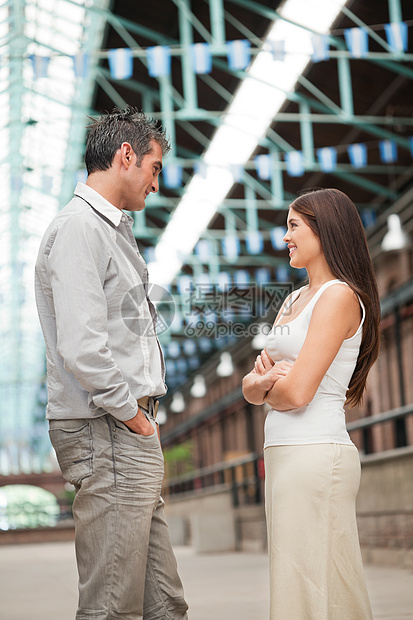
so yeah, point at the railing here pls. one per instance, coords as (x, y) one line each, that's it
(243, 475)
(393, 414)
(29, 515)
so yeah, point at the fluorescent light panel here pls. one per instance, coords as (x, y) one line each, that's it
(256, 102)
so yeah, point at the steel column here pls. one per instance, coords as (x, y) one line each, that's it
(188, 75)
(344, 81)
(14, 403)
(277, 183)
(167, 108)
(306, 131)
(395, 11)
(216, 11)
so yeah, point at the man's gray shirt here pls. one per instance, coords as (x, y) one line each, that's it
(91, 286)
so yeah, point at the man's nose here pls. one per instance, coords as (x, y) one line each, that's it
(155, 186)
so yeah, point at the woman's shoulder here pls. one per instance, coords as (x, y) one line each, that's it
(337, 289)
(339, 298)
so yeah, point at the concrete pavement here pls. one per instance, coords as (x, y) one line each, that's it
(38, 582)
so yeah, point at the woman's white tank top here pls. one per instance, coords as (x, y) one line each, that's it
(322, 420)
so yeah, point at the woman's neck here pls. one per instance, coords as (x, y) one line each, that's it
(318, 276)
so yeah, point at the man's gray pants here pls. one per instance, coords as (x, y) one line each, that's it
(127, 569)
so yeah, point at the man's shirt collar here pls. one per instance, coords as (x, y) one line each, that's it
(108, 210)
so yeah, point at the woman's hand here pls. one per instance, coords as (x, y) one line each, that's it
(263, 377)
(278, 371)
(263, 363)
(281, 369)
(269, 372)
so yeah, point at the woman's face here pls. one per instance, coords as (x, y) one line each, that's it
(303, 244)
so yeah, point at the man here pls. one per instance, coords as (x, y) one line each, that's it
(105, 373)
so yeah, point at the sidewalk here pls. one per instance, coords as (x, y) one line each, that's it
(38, 582)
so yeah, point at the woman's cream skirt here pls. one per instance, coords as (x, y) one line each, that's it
(316, 571)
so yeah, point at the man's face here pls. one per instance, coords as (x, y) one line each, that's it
(144, 180)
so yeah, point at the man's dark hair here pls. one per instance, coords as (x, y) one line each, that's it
(111, 130)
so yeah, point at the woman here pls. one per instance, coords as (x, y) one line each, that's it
(317, 357)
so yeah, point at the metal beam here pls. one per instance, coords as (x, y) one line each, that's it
(217, 88)
(395, 11)
(190, 18)
(109, 89)
(306, 132)
(255, 7)
(239, 203)
(372, 33)
(213, 117)
(130, 25)
(12, 397)
(366, 184)
(344, 75)
(188, 75)
(346, 90)
(241, 27)
(81, 102)
(142, 88)
(318, 94)
(216, 11)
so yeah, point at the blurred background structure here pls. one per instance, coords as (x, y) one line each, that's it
(261, 99)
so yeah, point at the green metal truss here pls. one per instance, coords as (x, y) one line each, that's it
(256, 204)
(28, 208)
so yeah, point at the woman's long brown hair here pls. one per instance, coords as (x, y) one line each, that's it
(335, 220)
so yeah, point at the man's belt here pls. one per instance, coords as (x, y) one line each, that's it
(150, 404)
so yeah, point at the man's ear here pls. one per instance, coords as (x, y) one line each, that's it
(127, 154)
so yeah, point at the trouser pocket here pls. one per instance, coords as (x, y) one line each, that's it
(72, 441)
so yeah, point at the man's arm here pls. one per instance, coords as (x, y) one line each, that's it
(77, 264)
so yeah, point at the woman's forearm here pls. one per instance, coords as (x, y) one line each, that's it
(252, 389)
(259, 382)
(283, 397)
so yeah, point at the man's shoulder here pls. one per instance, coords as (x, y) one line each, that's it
(75, 221)
(75, 209)
(77, 213)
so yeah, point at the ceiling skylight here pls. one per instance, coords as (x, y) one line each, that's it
(255, 104)
(38, 163)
